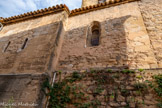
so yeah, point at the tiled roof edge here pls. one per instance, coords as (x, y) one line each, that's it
(99, 6)
(59, 8)
(34, 14)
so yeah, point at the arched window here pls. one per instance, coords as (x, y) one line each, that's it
(93, 36)
(101, 1)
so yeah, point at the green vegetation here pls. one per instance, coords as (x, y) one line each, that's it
(109, 70)
(60, 92)
(159, 104)
(127, 71)
(98, 90)
(90, 89)
(141, 70)
(112, 96)
(139, 77)
(158, 88)
(10, 102)
(85, 105)
(140, 87)
(149, 83)
(66, 92)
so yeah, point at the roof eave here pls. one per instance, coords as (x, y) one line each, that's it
(99, 6)
(35, 14)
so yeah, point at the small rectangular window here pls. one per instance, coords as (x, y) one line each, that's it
(7, 46)
(25, 42)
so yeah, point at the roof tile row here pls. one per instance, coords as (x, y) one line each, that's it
(33, 14)
(61, 7)
(99, 6)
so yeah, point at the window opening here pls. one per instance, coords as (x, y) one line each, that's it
(25, 42)
(7, 46)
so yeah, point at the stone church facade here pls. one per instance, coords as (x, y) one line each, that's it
(100, 34)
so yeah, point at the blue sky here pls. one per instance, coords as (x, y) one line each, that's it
(15, 7)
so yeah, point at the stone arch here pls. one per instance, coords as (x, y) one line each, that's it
(93, 37)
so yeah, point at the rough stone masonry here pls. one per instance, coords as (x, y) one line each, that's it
(43, 41)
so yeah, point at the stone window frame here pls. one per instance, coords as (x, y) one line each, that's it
(93, 26)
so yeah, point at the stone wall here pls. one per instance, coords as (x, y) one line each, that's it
(55, 42)
(28, 50)
(123, 42)
(152, 14)
(22, 91)
(32, 23)
(106, 89)
(39, 50)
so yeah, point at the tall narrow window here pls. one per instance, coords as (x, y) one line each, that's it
(93, 36)
(25, 42)
(7, 46)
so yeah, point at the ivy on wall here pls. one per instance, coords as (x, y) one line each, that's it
(102, 88)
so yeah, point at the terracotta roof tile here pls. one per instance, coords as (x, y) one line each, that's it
(34, 14)
(110, 3)
(61, 7)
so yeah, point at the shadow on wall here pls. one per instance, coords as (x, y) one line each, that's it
(21, 88)
(111, 51)
(32, 50)
(115, 32)
(19, 78)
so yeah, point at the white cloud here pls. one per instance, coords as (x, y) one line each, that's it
(30, 4)
(14, 7)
